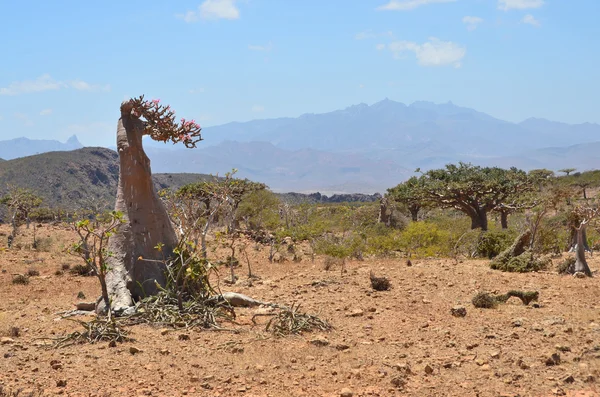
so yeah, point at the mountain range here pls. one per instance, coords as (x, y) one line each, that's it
(368, 148)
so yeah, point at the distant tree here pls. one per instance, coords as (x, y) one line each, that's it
(567, 171)
(473, 190)
(410, 195)
(20, 202)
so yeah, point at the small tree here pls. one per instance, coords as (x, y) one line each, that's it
(20, 202)
(473, 190)
(567, 171)
(411, 195)
(92, 245)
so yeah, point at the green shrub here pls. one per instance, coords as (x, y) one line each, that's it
(492, 243)
(424, 239)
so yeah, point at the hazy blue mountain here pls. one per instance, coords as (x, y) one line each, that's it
(284, 170)
(22, 147)
(364, 148)
(389, 127)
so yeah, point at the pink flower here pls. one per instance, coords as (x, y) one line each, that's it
(156, 101)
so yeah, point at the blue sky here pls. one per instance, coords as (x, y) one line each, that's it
(66, 65)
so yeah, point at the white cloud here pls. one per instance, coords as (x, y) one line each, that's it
(80, 85)
(42, 83)
(47, 83)
(406, 5)
(361, 86)
(265, 48)
(380, 47)
(434, 52)
(519, 4)
(258, 108)
(472, 22)
(530, 20)
(46, 112)
(212, 9)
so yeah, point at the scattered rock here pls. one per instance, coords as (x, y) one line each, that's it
(495, 355)
(399, 382)
(458, 311)
(342, 346)
(183, 337)
(522, 364)
(80, 295)
(55, 364)
(6, 341)
(134, 350)
(563, 348)
(554, 359)
(86, 306)
(346, 392)
(356, 313)
(319, 341)
(428, 369)
(61, 383)
(569, 379)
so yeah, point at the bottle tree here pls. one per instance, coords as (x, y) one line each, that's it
(135, 266)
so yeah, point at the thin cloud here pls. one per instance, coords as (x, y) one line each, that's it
(530, 20)
(46, 112)
(47, 83)
(519, 4)
(407, 5)
(212, 9)
(472, 22)
(42, 83)
(434, 52)
(367, 34)
(265, 48)
(258, 108)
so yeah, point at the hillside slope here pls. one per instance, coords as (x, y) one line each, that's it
(72, 179)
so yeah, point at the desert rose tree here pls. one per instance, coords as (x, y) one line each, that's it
(135, 266)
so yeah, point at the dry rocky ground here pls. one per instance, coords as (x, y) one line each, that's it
(402, 342)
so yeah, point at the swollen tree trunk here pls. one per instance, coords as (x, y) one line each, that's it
(414, 212)
(504, 219)
(384, 216)
(135, 265)
(581, 265)
(478, 218)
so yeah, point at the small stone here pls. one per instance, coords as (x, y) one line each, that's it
(428, 369)
(554, 359)
(6, 341)
(398, 381)
(183, 337)
(458, 311)
(522, 364)
(164, 331)
(165, 352)
(356, 313)
(485, 367)
(342, 346)
(563, 348)
(517, 322)
(495, 354)
(61, 383)
(346, 392)
(134, 350)
(55, 364)
(86, 306)
(319, 341)
(80, 295)
(569, 379)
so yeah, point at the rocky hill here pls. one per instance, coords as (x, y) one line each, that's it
(72, 179)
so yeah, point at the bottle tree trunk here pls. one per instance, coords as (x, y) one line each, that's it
(135, 266)
(581, 265)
